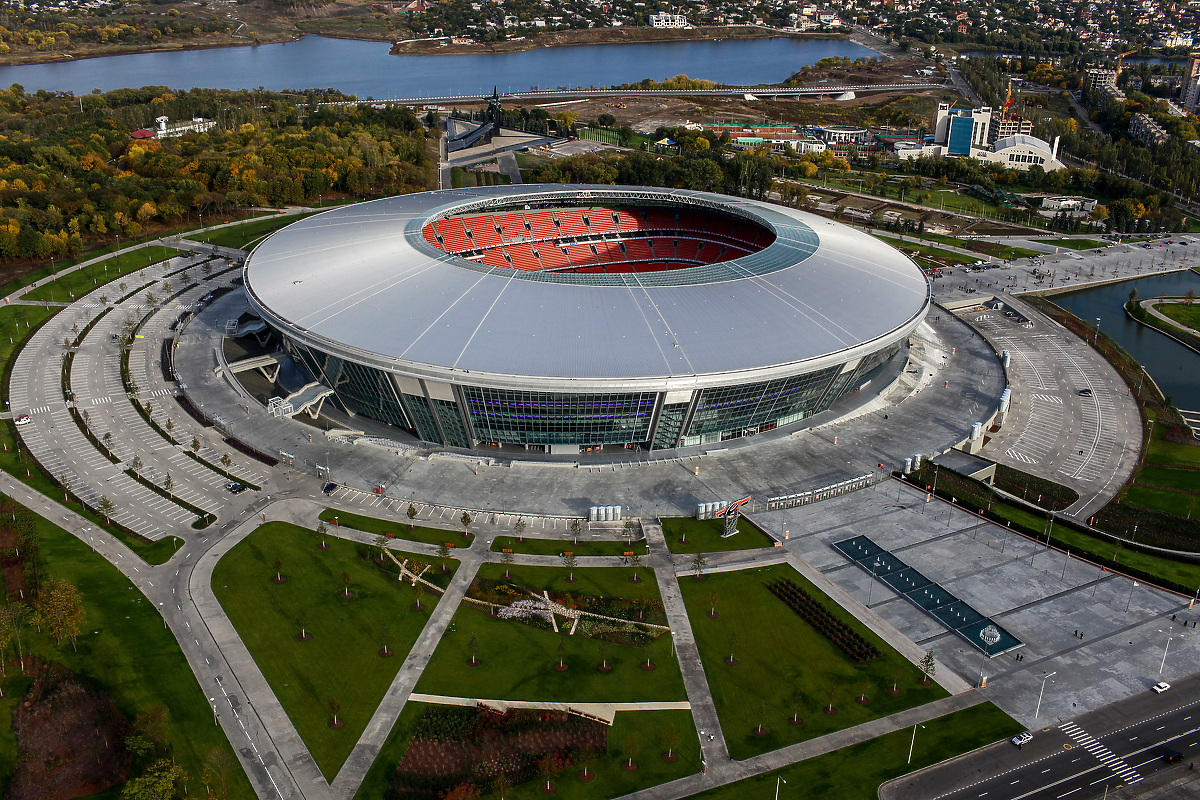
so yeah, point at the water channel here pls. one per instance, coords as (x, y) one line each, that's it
(1175, 368)
(367, 70)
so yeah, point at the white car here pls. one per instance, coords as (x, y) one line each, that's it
(1022, 738)
(1160, 687)
(22, 420)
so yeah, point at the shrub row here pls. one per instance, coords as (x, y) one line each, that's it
(845, 638)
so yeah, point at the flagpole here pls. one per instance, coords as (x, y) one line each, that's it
(1131, 588)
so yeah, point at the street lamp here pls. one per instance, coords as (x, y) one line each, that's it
(1039, 704)
(1170, 636)
(913, 743)
(778, 780)
(989, 635)
(213, 700)
(872, 586)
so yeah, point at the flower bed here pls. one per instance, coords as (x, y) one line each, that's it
(839, 633)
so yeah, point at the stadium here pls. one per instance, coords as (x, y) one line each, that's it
(567, 318)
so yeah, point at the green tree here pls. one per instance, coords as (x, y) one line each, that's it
(218, 766)
(507, 560)
(569, 561)
(928, 666)
(412, 515)
(168, 485)
(465, 520)
(61, 609)
(519, 527)
(162, 780)
(107, 508)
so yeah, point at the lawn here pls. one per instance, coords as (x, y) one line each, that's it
(990, 248)
(704, 536)
(596, 581)
(518, 660)
(1187, 479)
(80, 282)
(342, 659)
(129, 652)
(1073, 244)
(553, 547)
(856, 772)
(400, 530)
(241, 235)
(945, 257)
(785, 666)
(611, 780)
(1186, 314)
(1177, 503)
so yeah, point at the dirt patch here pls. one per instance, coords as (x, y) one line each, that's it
(71, 739)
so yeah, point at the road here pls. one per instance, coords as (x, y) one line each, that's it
(1119, 745)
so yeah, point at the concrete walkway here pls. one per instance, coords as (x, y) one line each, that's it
(602, 711)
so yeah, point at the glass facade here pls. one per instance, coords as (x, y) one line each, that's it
(733, 409)
(505, 416)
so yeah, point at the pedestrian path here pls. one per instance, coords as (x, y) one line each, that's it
(604, 712)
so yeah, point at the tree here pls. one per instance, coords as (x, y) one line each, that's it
(107, 508)
(412, 514)
(418, 593)
(136, 465)
(347, 580)
(321, 531)
(218, 766)
(713, 597)
(335, 706)
(473, 646)
(385, 641)
(501, 786)
(606, 120)
(519, 527)
(162, 780)
(797, 699)
(575, 528)
(443, 551)
(463, 791)
(569, 561)
(698, 565)
(604, 656)
(225, 460)
(670, 740)
(61, 609)
(732, 646)
(627, 529)
(302, 624)
(195, 444)
(635, 561)
(278, 566)
(465, 520)
(168, 485)
(631, 750)
(507, 560)
(381, 544)
(547, 766)
(171, 426)
(562, 652)
(154, 724)
(107, 439)
(928, 667)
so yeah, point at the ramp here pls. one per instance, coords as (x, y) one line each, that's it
(308, 399)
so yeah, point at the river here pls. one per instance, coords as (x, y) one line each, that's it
(1175, 368)
(367, 70)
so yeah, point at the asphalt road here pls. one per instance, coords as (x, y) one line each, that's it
(1105, 750)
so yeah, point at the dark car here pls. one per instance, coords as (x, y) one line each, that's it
(328, 488)
(1085, 392)
(236, 488)
(1171, 756)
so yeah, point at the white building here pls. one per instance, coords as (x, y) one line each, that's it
(1070, 204)
(669, 21)
(963, 133)
(842, 134)
(170, 130)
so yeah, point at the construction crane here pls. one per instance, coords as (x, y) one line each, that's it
(1009, 99)
(1120, 57)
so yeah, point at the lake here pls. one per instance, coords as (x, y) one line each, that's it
(366, 69)
(1175, 368)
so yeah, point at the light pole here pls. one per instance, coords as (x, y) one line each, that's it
(778, 780)
(1040, 691)
(913, 743)
(1127, 599)
(872, 586)
(1170, 636)
(213, 700)
(989, 635)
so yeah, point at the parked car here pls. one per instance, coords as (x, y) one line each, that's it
(22, 420)
(236, 488)
(329, 487)
(1160, 687)
(1022, 738)
(1085, 392)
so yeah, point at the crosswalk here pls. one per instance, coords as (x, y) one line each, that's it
(39, 410)
(98, 400)
(1106, 757)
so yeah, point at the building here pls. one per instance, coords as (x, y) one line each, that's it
(669, 21)
(553, 318)
(170, 130)
(1143, 128)
(842, 134)
(1100, 79)
(1009, 124)
(1083, 205)
(966, 133)
(961, 129)
(1189, 92)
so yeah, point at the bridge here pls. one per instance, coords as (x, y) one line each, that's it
(813, 90)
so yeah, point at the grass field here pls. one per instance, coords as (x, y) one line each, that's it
(648, 727)
(993, 249)
(1187, 479)
(1186, 314)
(518, 660)
(941, 257)
(1181, 504)
(704, 536)
(1073, 244)
(126, 649)
(596, 581)
(342, 659)
(241, 235)
(786, 667)
(553, 547)
(398, 529)
(80, 282)
(856, 772)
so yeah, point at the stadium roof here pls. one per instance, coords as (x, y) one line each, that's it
(362, 282)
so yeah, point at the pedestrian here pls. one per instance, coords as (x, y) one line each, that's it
(1077, 633)
(1172, 618)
